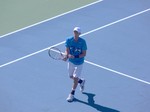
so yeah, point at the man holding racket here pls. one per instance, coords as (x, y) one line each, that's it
(75, 52)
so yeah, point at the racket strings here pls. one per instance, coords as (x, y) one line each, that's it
(55, 53)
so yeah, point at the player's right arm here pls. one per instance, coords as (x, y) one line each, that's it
(67, 54)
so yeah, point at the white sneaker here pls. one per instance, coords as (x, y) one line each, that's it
(70, 98)
(82, 85)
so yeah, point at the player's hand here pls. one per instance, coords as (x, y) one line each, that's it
(65, 58)
(70, 56)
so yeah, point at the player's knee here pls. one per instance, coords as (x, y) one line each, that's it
(75, 80)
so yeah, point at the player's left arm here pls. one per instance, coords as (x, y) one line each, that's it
(84, 49)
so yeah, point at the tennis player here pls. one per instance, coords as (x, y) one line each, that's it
(75, 52)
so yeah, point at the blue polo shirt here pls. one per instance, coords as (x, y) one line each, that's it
(76, 48)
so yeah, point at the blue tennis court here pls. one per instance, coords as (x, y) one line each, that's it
(116, 67)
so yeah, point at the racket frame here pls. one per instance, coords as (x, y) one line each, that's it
(54, 49)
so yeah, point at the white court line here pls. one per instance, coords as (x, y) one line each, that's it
(51, 18)
(114, 71)
(120, 20)
(32, 54)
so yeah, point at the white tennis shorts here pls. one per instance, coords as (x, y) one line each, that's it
(74, 70)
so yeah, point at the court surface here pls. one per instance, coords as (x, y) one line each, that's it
(116, 67)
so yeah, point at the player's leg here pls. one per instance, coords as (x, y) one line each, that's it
(71, 69)
(77, 73)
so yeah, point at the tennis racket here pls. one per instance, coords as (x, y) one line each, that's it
(55, 53)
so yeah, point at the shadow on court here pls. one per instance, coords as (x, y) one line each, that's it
(91, 102)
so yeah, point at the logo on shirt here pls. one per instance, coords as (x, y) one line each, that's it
(75, 51)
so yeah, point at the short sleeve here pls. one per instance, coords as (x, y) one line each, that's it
(84, 45)
(67, 43)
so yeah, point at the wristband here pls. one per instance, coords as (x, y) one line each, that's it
(77, 56)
